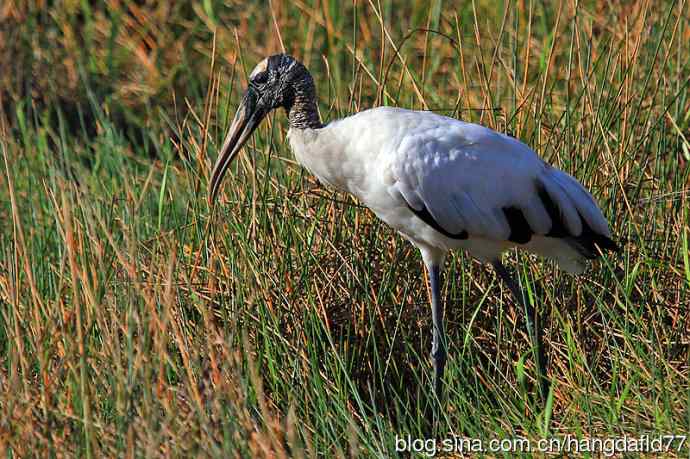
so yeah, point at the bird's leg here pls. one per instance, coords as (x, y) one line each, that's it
(533, 329)
(438, 342)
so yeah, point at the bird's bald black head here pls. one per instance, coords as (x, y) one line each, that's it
(281, 81)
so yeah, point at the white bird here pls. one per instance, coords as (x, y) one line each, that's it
(443, 184)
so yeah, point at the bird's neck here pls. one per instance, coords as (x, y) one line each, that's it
(302, 112)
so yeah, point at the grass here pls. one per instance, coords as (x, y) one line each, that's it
(135, 321)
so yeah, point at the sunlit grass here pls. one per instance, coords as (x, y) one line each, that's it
(289, 321)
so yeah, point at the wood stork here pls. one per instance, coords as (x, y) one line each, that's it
(443, 184)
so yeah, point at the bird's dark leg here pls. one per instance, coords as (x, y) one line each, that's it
(533, 329)
(438, 342)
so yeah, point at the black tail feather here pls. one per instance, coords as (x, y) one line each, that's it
(587, 242)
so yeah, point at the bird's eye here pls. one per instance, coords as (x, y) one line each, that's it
(261, 78)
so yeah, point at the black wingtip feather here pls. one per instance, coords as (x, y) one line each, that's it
(590, 240)
(520, 231)
(587, 242)
(427, 218)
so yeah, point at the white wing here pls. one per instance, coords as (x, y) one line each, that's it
(475, 182)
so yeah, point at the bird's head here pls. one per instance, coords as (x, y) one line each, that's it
(277, 81)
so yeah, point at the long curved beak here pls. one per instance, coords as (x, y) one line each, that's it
(249, 115)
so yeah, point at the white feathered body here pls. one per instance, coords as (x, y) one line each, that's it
(401, 162)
